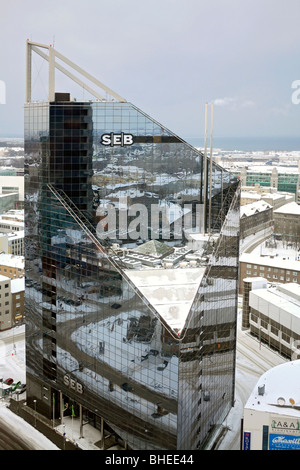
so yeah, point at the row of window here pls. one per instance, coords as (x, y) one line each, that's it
(275, 270)
(274, 327)
(275, 276)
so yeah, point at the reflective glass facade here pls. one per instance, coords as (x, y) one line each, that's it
(135, 322)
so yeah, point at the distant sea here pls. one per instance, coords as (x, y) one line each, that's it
(279, 144)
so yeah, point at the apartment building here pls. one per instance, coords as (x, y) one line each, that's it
(17, 290)
(255, 217)
(12, 243)
(5, 304)
(287, 222)
(274, 269)
(12, 266)
(274, 317)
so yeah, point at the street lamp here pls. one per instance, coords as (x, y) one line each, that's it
(34, 401)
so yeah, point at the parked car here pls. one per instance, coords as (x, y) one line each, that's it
(21, 388)
(8, 381)
(126, 387)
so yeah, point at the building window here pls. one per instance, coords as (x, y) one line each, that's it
(285, 337)
(274, 330)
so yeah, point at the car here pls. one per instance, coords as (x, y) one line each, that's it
(21, 389)
(8, 381)
(126, 387)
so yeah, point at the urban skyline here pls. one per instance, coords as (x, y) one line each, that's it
(122, 215)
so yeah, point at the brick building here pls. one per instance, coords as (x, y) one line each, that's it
(272, 268)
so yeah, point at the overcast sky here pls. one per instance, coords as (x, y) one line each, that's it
(168, 57)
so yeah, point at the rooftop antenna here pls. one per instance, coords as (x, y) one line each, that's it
(205, 170)
(210, 165)
(206, 183)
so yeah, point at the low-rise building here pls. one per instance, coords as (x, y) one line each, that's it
(8, 201)
(273, 313)
(12, 266)
(273, 268)
(255, 217)
(12, 184)
(287, 222)
(17, 289)
(12, 243)
(276, 199)
(5, 304)
(271, 414)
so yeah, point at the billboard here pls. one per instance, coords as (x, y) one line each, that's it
(284, 442)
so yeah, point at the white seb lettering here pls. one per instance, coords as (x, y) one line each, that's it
(73, 384)
(117, 139)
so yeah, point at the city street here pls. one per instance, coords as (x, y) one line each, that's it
(253, 360)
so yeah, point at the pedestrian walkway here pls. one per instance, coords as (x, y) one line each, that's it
(91, 439)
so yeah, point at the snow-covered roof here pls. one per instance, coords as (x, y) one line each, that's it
(278, 302)
(250, 195)
(12, 260)
(268, 169)
(292, 208)
(17, 285)
(275, 262)
(254, 207)
(279, 390)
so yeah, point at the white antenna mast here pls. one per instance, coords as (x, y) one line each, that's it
(52, 55)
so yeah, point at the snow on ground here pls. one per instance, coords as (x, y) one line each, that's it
(28, 433)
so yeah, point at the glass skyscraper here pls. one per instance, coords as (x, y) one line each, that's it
(131, 274)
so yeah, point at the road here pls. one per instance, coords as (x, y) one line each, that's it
(253, 360)
(10, 440)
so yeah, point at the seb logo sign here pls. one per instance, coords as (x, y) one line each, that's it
(113, 139)
(73, 384)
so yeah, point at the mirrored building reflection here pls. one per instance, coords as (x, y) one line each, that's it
(132, 275)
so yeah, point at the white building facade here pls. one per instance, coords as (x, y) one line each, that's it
(272, 414)
(274, 317)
